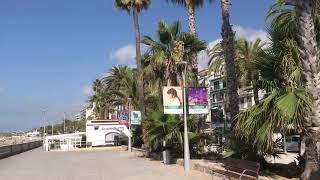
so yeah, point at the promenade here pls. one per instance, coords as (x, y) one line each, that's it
(110, 164)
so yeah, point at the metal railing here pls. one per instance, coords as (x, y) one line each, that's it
(10, 150)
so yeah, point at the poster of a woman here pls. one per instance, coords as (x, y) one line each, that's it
(172, 100)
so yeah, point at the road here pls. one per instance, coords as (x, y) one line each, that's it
(111, 164)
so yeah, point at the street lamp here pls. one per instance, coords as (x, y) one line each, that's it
(64, 122)
(44, 110)
(129, 138)
(185, 132)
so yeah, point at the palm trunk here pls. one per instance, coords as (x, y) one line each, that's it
(255, 87)
(311, 76)
(138, 61)
(139, 67)
(191, 16)
(193, 31)
(229, 54)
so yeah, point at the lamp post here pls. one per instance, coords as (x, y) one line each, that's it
(64, 122)
(44, 110)
(51, 128)
(129, 138)
(185, 132)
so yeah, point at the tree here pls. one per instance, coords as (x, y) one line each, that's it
(301, 19)
(96, 100)
(309, 59)
(246, 55)
(229, 54)
(191, 6)
(135, 7)
(287, 101)
(121, 84)
(168, 49)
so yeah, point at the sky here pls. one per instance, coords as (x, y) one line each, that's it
(52, 50)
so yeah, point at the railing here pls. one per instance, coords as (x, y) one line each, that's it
(10, 150)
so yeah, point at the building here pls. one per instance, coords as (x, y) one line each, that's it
(81, 115)
(219, 112)
(105, 132)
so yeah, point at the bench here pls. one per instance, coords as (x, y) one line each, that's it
(241, 169)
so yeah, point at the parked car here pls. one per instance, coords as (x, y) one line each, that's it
(292, 143)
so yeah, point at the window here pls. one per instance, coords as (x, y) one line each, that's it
(213, 97)
(96, 127)
(224, 84)
(220, 97)
(216, 85)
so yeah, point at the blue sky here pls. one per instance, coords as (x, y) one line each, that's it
(51, 51)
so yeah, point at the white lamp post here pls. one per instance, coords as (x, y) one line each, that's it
(129, 138)
(185, 132)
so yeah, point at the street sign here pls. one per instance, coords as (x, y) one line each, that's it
(136, 117)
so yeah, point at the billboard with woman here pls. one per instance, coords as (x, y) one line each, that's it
(172, 100)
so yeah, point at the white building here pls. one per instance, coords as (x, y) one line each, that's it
(105, 132)
(219, 112)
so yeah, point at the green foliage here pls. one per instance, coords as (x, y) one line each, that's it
(166, 51)
(128, 5)
(169, 128)
(71, 127)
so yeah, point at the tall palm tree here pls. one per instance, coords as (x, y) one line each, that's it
(229, 54)
(302, 20)
(247, 54)
(287, 103)
(96, 100)
(168, 49)
(121, 85)
(309, 59)
(135, 7)
(191, 5)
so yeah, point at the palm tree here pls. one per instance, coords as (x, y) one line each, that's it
(191, 5)
(96, 100)
(135, 7)
(287, 103)
(229, 54)
(121, 85)
(301, 18)
(170, 47)
(246, 55)
(309, 59)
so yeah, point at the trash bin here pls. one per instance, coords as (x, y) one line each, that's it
(166, 157)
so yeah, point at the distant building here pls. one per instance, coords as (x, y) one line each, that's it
(219, 112)
(81, 116)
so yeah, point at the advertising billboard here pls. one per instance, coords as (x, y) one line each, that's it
(136, 117)
(172, 100)
(197, 100)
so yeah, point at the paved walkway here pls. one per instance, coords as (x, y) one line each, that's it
(90, 165)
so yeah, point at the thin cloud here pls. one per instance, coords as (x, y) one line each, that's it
(126, 54)
(87, 90)
(250, 34)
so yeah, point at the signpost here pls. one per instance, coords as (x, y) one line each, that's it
(136, 117)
